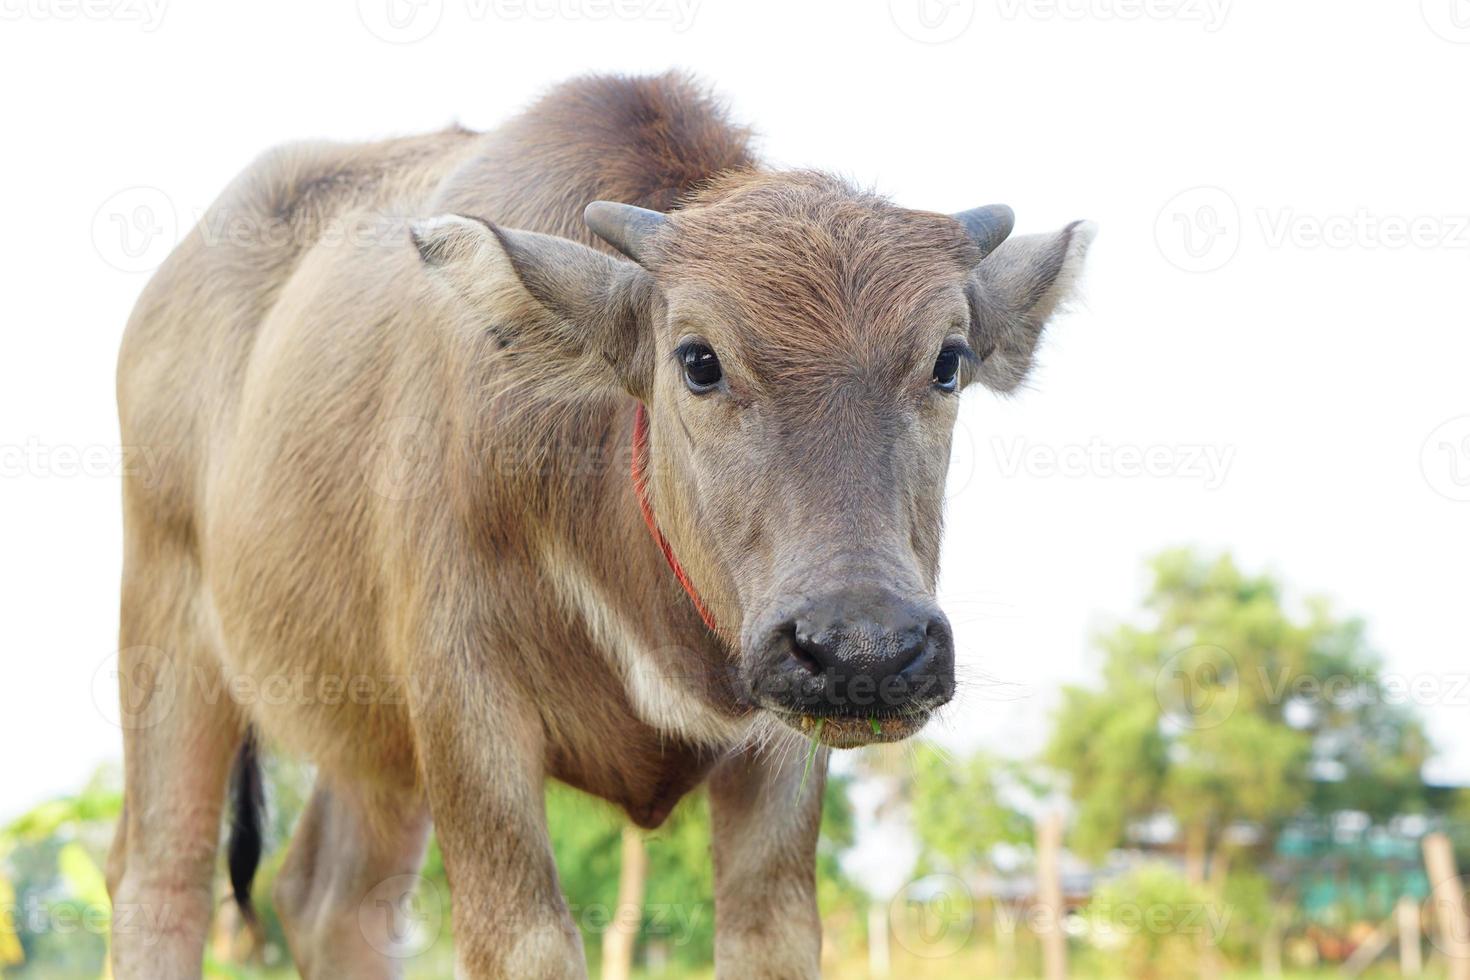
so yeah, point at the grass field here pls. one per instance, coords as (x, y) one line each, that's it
(437, 964)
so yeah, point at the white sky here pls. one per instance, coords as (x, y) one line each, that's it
(1321, 373)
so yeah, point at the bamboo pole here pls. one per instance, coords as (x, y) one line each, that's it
(1411, 956)
(880, 965)
(1448, 899)
(1005, 939)
(1049, 897)
(622, 931)
(1273, 941)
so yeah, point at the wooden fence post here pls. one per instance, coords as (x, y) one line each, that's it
(1447, 896)
(880, 965)
(1049, 897)
(1411, 956)
(627, 918)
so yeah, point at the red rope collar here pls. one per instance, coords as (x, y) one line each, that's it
(640, 489)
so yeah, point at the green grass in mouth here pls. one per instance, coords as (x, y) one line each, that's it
(811, 754)
(816, 741)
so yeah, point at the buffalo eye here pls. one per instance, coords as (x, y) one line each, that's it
(701, 367)
(947, 368)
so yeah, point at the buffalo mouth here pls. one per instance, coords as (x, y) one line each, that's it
(850, 715)
(851, 732)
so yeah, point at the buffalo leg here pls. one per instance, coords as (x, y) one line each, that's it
(349, 894)
(180, 734)
(765, 825)
(481, 746)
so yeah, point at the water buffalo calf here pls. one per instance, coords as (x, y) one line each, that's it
(585, 448)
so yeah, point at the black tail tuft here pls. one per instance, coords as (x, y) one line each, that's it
(247, 795)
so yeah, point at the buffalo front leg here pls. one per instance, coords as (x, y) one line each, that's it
(349, 894)
(765, 826)
(482, 750)
(179, 736)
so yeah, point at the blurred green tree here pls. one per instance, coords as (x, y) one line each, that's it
(1149, 918)
(961, 810)
(1225, 707)
(54, 909)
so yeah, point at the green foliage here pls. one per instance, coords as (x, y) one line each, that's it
(839, 899)
(99, 800)
(679, 895)
(585, 835)
(1250, 905)
(960, 813)
(1155, 921)
(1222, 705)
(1111, 745)
(52, 884)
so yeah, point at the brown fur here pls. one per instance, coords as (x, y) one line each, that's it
(369, 478)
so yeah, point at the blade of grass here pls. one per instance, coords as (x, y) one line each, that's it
(811, 753)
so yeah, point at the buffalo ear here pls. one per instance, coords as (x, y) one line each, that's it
(1014, 291)
(554, 305)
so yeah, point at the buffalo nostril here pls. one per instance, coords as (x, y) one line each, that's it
(859, 646)
(804, 650)
(912, 647)
(909, 648)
